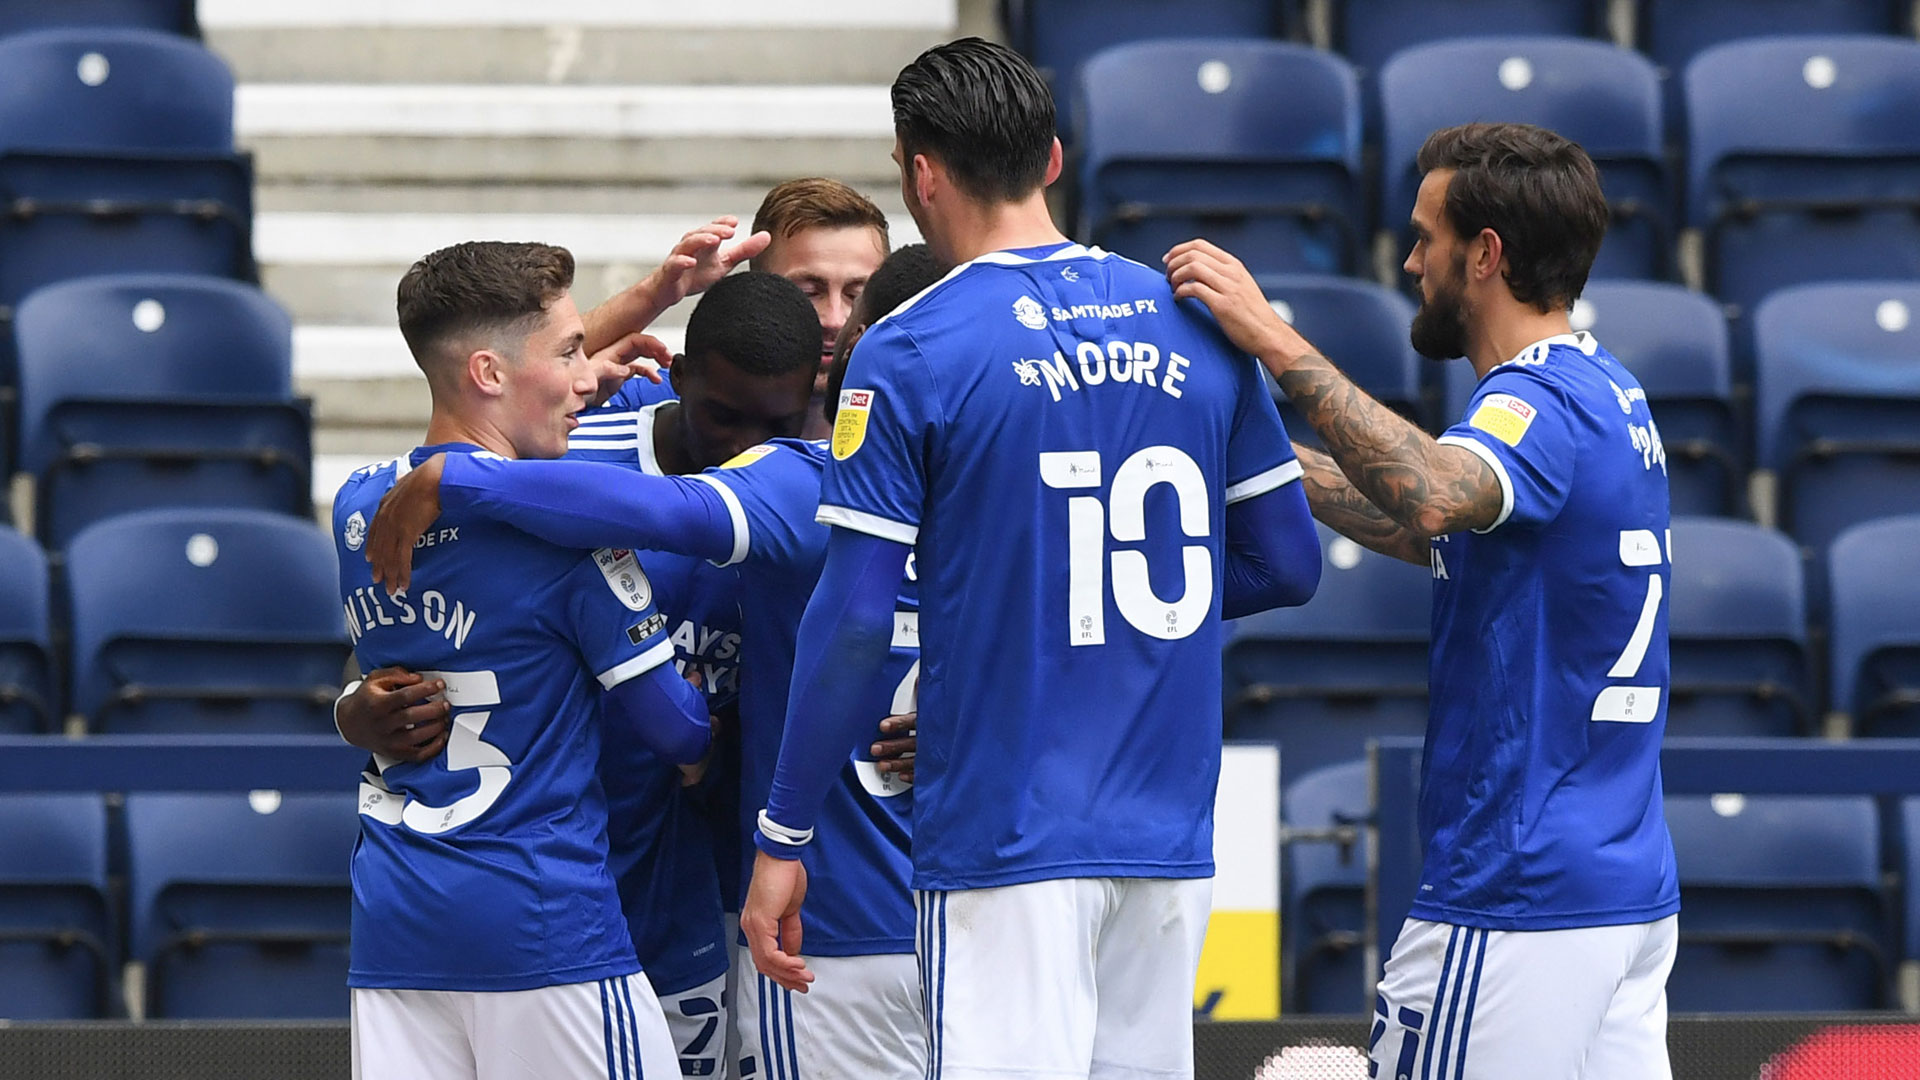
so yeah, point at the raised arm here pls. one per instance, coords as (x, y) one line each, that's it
(571, 503)
(1426, 488)
(701, 258)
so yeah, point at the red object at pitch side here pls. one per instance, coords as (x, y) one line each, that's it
(1862, 1052)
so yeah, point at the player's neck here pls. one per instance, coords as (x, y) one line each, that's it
(1517, 327)
(446, 428)
(669, 448)
(977, 229)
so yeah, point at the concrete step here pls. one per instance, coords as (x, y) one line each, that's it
(565, 134)
(574, 41)
(341, 268)
(682, 201)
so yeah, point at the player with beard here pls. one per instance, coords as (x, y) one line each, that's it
(1544, 927)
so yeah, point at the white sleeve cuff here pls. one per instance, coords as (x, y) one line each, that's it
(735, 512)
(1277, 477)
(639, 665)
(871, 524)
(344, 695)
(1481, 451)
(780, 834)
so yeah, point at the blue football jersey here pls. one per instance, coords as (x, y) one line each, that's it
(1540, 796)
(1060, 438)
(485, 869)
(858, 901)
(661, 836)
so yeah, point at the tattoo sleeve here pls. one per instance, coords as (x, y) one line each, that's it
(1428, 489)
(1341, 506)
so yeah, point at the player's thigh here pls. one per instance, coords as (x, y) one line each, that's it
(1632, 1044)
(1008, 977)
(861, 1018)
(419, 1033)
(1460, 1002)
(697, 1020)
(1144, 966)
(611, 1027)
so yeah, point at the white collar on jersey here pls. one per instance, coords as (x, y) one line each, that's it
(1536, 353)
(643, 429)
(996, 258)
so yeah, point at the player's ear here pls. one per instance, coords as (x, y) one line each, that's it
(487, 371)
(1486, 255)
(1056, 160)
(924, 181)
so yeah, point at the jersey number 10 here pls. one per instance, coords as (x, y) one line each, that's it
(1126, 505)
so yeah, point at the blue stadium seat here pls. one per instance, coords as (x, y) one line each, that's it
(171, 16)
(144, 390)
(1181, 139)
(1908, 860)
(1672, 32)
(57, 954)
(1737, 632)
(1781, 900)
(1838, 403)
(1349, 665)
(29, 698)
(240, 903)
(1324, 913)
(1875, 627)
(116, 154)
(1675, 342)
(1605, 98)
(1060, 35)
(1804, 164)
(1363, 328)
(1371, 31)
(205, 620)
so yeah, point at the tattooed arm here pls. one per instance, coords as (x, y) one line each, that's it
(1336, 502)
(1424, 487)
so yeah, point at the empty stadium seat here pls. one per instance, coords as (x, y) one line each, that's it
(1909, 862)
(116, 154)
(172, 16)
(1182, 139)
(205, 620)
(240, 903)
(1605, 98)
(1875, 627)
(1360, 326)
(144, 390)
(1349, 665)
(1804, 164)
(57, 954)
(1675, 342)
(1838, 403)
(1324, 917)
(29, 701)
(1060, 35)
(1371, 31)
(1672, 32)
(1781, 901)
(1737, 637)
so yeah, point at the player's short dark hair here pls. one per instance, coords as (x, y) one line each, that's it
(760, 322)
(905, 274)
(1539, 191)
(479, 287)
(983, 111)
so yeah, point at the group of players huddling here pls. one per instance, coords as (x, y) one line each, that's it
(943, 689)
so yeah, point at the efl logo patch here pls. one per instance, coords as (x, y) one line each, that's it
(1504, 417)
(646, 628)
(850, 423)
(625, 577)
(748, 456)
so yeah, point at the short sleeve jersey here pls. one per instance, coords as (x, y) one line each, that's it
(1060, 438)
(858, 899)
(1540, 803)
(661, 836)
(485, 869)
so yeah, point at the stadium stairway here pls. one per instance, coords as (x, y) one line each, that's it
(383, 129)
